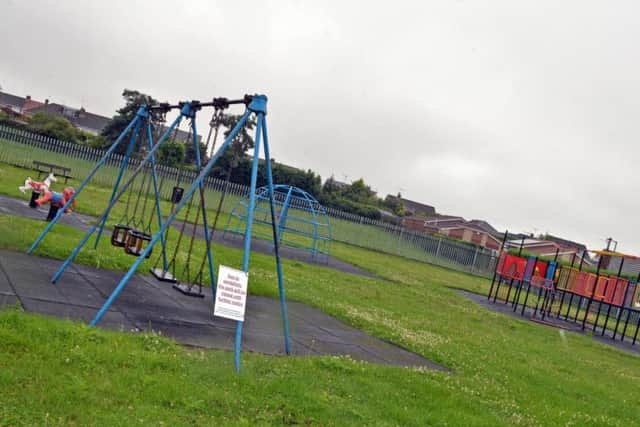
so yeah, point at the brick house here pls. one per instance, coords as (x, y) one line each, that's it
(22, 108)
(548, 248)
(16, 106)
(415, 208)
(80, 118)
(473, 235)
(477, 232)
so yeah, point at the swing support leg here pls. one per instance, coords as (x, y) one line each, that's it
(83, 184)
(106, 212)
(258, 105)
(205, 222)
(140, 115)
(203, 174)
(283, 302)
(156, 192)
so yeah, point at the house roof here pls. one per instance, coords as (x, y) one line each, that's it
(472, 228)
(30, 104)
(531, 242)
(483, 225)
(566, 242)
(79, 117)
(13, 101)
(445, 221)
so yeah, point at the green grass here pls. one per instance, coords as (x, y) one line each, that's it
(359, 234)
(505, 371)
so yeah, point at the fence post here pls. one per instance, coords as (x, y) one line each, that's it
(475, 257)
(438, 247)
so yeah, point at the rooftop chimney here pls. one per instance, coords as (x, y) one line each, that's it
(46, 101)
(28, 97)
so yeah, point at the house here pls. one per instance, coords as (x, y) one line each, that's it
(548, 249)
(477, 232)
(485, 226)
(630, 263)
(442, 221)
(16, 105)
(471, 234)
(418, 223)
(80, 118)
(415, 208)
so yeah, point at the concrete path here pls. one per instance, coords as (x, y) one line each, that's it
(146, 304)
(19, 207)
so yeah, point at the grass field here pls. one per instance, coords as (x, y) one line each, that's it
(505, 371)
(454, 255)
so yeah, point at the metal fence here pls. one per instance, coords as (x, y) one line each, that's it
(20, 148)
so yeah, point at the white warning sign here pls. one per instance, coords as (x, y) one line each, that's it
(231, 294)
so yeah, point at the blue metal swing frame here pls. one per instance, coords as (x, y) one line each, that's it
(257, 106)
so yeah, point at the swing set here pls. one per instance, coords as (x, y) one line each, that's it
(143, 225)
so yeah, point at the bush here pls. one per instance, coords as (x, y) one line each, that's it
(171, 153)
(55, 127)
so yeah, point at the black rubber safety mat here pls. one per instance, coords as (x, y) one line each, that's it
(148, 304)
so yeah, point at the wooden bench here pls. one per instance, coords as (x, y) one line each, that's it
(57, 170)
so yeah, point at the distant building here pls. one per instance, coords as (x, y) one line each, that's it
(23, 108)
(16, 105)
(80, 118)
(415, 208)
(485, 226)
(630, 263)
(468, 233)
(477, 232)
(332, 182)
(548, 248)
(444, 221)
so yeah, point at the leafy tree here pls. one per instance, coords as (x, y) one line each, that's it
(235, 160)
(133, 101)
(395, 204)
(171, 153)
(190, 153)
(360, 192)
(54, 126)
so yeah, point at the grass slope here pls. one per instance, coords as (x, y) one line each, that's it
(506, 371)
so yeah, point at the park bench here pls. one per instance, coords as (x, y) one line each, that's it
(45, 168)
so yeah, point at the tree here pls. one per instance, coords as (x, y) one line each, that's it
(234, 160)
(171, 153)
(190, 153)
(395, 204)
(54, 126)
(360, 192)
(133, 101)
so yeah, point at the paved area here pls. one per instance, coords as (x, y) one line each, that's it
(19, 207)
(501, 307)
(266, 247)
(146, 304)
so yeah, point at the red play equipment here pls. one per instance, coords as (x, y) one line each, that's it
(56, 201)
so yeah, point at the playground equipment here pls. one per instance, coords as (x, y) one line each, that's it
(606, 302)
(302, 221)
(37, 188)
(57, 201)
(256, 107)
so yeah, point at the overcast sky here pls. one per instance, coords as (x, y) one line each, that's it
(522, 113)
